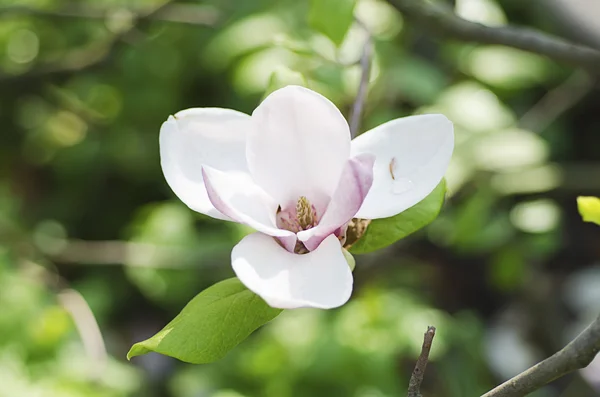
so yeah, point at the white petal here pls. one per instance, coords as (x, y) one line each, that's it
(412, 155)
(299, 146)
(320, 279)
(202, 136)
(352, 189)
(238, 197)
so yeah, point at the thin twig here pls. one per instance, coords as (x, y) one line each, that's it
(432, 17)
(414, 386)
(363, 87)
(88, 328)
(557, 101)
(576, 355)
(80, 311)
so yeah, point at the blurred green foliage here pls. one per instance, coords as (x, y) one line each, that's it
(84, 88)
(335, 28)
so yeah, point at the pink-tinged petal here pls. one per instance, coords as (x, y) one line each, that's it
(353, 187)
(298, 147)
(412, 155)
(321, 278)
(238, 197)
(202, 136)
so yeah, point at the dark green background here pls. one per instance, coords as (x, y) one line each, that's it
(508, 272)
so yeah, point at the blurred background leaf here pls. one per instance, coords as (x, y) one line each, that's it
(507, 273)
(333, 18)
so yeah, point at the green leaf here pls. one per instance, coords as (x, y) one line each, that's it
(282, 77)
(589, 208)
(333, 18)
(211, 324)
(382, 232)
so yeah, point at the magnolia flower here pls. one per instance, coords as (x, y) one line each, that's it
(291, 172)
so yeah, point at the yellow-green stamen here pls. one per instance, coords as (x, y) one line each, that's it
(305, 213)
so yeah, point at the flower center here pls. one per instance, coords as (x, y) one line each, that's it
(305, 213)
(302, 217)
(295, 219)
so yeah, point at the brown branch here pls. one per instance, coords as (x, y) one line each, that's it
(363, 87)
(431, 17)
(414, 386)
(576, 355)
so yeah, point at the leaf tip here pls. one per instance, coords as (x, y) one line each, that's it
(136, 350)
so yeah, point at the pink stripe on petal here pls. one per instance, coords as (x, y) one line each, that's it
(238, 197)
(354, 184)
